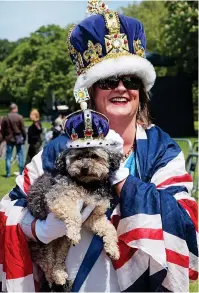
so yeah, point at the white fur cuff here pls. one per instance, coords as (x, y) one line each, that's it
(25, 223)
(122, 65)
(119, 175)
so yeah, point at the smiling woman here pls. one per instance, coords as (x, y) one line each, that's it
(121, 91)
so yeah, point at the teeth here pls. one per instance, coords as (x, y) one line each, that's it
(118, 100)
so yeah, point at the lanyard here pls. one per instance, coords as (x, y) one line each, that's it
(92, 254)
(96, 246)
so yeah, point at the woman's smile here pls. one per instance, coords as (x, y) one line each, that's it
(119, 101)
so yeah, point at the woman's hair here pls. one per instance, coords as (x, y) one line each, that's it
(36, 113)
(143, 116)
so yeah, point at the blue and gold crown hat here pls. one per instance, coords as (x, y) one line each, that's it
(87, 128)
(107, 44)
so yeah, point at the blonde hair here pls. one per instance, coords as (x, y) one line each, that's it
(36, 113)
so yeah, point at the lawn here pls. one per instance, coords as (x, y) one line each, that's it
(6, 183)
(45, 124)
(27, 121)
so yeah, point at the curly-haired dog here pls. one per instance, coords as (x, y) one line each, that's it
(80, 174)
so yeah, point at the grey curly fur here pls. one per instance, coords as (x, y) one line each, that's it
(79, 174)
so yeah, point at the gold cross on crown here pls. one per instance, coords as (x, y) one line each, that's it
(96, 7)
(93, 52)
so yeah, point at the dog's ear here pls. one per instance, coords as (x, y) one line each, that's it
(60, 163)
(114, 161)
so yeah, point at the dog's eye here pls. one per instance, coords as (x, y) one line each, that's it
(78, 158)
(94, 156)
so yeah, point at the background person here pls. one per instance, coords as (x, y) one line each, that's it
(34, 135)
(13, 131)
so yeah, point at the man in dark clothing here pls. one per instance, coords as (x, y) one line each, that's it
(14, 133)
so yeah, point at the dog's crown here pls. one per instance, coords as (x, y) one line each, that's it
(86, 125)
(85, 128)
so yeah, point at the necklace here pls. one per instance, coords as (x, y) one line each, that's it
(128, 153)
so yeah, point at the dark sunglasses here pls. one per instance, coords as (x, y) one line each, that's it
(130, 83)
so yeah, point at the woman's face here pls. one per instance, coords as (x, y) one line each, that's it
(119, 102)
(33, 116)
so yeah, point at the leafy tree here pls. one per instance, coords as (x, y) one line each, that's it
(38, 68)
(152, 14)
(181, 35)
(6, 48)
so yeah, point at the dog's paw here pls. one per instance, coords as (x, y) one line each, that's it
(60, 277)
(112, 251)
(73, 236)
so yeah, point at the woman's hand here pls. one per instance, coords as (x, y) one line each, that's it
(51, 228)
(119, 175)
(118, 178)
(118, 187)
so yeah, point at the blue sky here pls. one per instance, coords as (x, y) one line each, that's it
(19, 18)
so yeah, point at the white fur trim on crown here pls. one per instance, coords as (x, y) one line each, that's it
(131, 64)
(112, 142)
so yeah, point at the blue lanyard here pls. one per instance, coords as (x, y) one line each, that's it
(96, 246)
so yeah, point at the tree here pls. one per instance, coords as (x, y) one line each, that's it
(152, 14)
(38, 68)
(6, 48)
(181, 35)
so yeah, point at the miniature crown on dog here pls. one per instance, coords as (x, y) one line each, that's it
(87, 128)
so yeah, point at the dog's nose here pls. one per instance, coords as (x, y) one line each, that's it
(84, 170)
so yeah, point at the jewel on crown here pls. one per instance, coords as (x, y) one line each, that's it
(96, 7)
(81, 96)
(93, 52)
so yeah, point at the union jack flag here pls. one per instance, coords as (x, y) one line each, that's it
(156, 220)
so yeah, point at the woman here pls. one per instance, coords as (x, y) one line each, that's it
(34, 135)
(155, 217)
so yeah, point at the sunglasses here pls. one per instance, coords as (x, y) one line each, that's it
(130, 83)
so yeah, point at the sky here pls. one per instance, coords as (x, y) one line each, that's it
(19, 18)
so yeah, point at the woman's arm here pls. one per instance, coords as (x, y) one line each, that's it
(159, 218)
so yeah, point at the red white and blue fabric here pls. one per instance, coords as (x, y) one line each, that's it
(156, 221)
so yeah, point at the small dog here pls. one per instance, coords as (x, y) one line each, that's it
(79, 174)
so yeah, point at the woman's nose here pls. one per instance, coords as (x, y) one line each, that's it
(120, 86)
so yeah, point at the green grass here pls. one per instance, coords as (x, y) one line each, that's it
(6, 184)
(194, 287)
(3, 112)
(45, 124)
(196, 125)
(27, 121)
